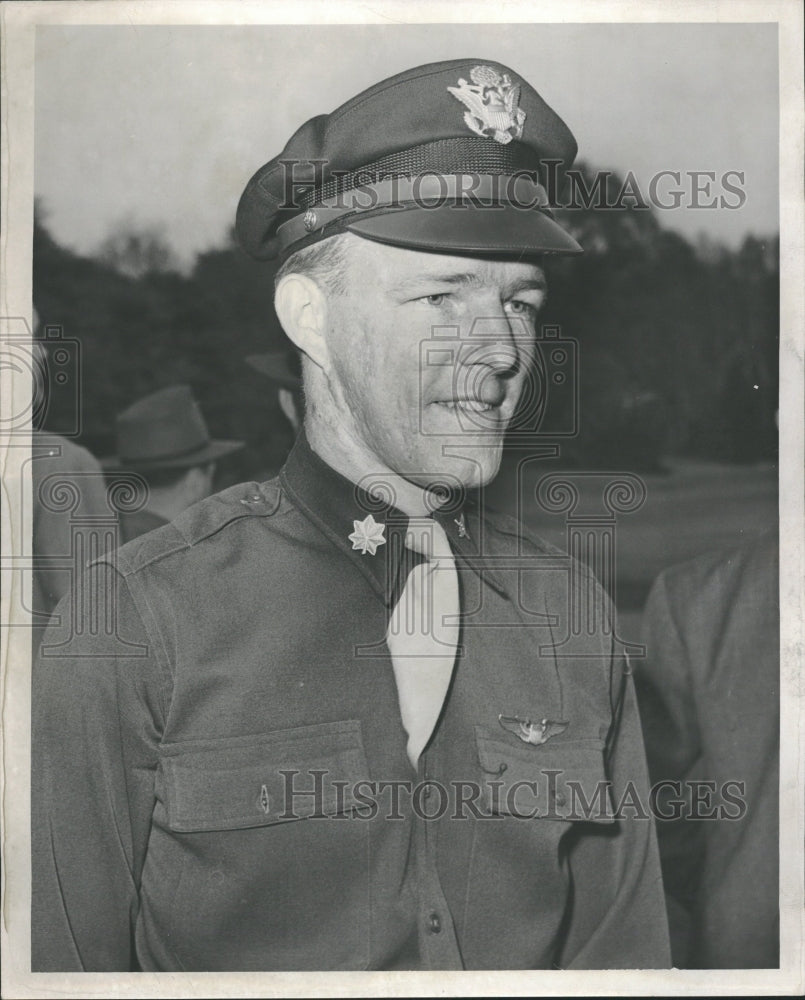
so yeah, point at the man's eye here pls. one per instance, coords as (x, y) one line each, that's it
(437, 299)
(519, 308)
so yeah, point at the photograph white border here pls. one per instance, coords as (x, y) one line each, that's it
(18, 21)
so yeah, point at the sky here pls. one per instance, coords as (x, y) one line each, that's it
(161, 126)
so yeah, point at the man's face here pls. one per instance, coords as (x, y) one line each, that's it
(429, 356)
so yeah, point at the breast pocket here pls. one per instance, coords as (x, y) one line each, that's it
(272, 848)
(559, 780)
(518, 882)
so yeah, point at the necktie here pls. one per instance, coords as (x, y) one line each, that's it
(423, 633)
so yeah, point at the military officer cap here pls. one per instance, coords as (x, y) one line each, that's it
(450, 157)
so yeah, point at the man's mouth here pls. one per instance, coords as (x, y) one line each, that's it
(467, 405)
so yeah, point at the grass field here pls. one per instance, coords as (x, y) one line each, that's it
(690, 508)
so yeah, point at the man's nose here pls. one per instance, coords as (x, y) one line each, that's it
(496, 342)
(490, 356)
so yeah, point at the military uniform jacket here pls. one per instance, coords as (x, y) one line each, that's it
(709, 691)
(138, 522)
(221, 781)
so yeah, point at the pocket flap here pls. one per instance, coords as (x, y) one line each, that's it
(560, 780)
(248, 781)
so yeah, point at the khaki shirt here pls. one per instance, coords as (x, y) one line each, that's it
(223, 783)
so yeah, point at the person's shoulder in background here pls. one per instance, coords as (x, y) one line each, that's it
(708, 692)
(720, 610)
(718, 577)
(54, 453)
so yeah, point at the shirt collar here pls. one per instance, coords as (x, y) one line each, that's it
(334, 504)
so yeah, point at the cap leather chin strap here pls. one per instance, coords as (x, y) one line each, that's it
(427, 190)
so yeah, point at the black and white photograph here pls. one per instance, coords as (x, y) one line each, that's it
(402, 481)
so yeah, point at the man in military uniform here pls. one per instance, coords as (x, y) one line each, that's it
(360, 732)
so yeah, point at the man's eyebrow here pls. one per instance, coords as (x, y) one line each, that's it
(447, 278)
(537, 282)
(467, 278)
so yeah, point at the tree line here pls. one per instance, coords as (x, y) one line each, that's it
(677, 341)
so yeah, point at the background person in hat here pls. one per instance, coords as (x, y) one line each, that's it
(164, 438)
(358, 734)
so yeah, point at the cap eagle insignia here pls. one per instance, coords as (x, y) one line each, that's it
(536, 733)
(491, 100)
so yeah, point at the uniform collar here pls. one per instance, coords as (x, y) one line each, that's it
(333, 503)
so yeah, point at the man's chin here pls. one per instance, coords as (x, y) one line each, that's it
(465, 466)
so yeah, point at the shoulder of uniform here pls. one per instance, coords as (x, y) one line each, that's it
(199, 522)
(521, 541)
(512, 529)
(210, 515)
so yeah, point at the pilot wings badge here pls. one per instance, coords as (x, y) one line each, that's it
(492, 102)
(532, 732)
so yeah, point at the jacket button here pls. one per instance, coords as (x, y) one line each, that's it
(434, 923)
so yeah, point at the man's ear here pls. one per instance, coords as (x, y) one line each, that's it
(301, 308)
(198, 481)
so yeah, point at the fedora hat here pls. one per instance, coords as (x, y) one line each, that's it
(284, 368)
(165, 430)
